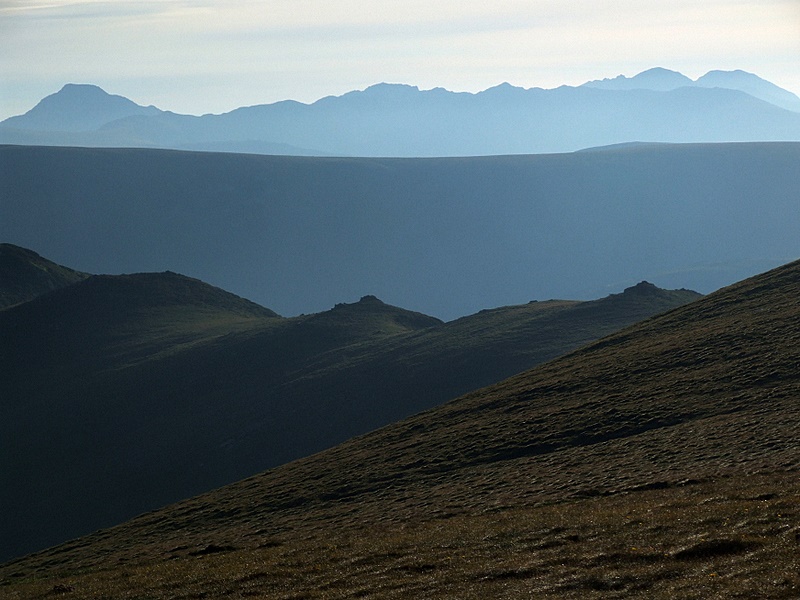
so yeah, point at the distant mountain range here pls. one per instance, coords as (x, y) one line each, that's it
(445, 237)
(657, 105)
(658, 462)
(664, 80)
(123, 393)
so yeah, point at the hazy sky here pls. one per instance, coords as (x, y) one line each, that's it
(198, 56)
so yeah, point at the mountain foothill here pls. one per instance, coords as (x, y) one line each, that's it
(127, 392)
(658, 461)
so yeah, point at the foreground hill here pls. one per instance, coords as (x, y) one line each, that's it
(24, 275)
(123, 393)
(402, 120)
(445, 237)
(659, 461)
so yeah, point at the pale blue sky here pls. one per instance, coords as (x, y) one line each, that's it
(198, 56)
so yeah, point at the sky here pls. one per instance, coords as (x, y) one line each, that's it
(204, 56)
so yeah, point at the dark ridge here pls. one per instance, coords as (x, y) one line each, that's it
(669, 386)
(370, 315)
(221, 388)
(118, 296)
(670, 470)
(25, 275)
(703, 390)
(156, 290)
(643, 287)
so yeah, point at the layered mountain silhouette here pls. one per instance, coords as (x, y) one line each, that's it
(664, 80)
(446, 237)
(123, 393)
(657, 105)
(660, 461)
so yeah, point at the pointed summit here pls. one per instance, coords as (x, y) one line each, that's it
(78, 107)
(370, 314)
(643, 287)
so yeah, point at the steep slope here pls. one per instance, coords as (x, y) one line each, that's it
(124, 393)
(24, 275)
(59, 434)
(661, 460)
(446, 237)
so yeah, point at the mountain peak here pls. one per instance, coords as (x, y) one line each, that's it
(396, 119)
(662, 73)
(660, 79)
(656, 79)
(370, 299)
(371, 314)
(751, 84)
(643, 287)
(82, 89)
(390, 89)
(78, 107)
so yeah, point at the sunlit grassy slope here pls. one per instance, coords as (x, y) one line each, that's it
(660, 461)
(124, 393)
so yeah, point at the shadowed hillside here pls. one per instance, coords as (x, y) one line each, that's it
(659, 461)
(24, 275)
(124, 393)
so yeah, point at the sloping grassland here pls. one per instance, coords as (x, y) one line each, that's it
(659, 461)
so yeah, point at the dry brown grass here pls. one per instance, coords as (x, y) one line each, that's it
(726, 538)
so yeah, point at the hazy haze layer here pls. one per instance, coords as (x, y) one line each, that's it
(445, 237)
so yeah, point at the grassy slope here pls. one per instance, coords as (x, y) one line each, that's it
(60, 436)
(125, 393)
(661, 460)
(483, 348)
(26, 275)
(115, 395)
